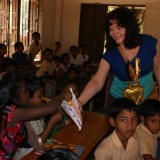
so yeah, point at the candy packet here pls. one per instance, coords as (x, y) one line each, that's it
(72, 109)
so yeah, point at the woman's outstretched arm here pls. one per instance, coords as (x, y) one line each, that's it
(95, 84)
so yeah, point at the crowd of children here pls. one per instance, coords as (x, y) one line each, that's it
(136, 127)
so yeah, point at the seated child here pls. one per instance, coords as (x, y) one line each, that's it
(19, 56)
(120, 145)
(73, 51)
(36, 88)
(148, 130)
(14, 101)
(47, 67)
(59, 71)
(65, 61)
(35, 47)
(66, 120)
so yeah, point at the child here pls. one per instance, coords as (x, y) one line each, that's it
(71, 75)
(65, 60)
(66, 120)
(82, 56)
(35, 47)
(73, 51)
(120, 145)
(87, 72)
(36, 89)
(19, 56)
(57, 48)
(14, 99)
(47, 67)
(148, 130)
(60, 70)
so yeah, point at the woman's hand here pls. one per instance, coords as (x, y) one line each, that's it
(80, 105)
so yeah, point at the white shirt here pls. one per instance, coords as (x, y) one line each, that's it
(111, 148)
(148, 141)
(46, 67)
(80, 59)
(34, 49)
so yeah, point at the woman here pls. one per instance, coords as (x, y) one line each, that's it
(124, 46)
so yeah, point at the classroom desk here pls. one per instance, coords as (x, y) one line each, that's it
(95, 128)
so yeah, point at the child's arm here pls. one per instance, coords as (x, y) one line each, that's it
(148, 157)
(50, 125)
(23, 114)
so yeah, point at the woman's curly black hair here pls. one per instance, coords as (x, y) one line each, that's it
(126, 19)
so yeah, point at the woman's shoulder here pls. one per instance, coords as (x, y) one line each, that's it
(111, 53)
(147, 37)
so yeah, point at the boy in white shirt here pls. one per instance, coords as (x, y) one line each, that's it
(48, 66)
(120, 145)
(35, 47)
(148, 131)
(82, 56)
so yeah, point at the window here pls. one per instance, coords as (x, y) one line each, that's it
(18, 20)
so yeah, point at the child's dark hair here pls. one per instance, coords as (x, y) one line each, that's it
(72, 69)
(34, 83)
(57, 43)
(64, 55)
(47, 50)
(18, 44)
(149, 107)
(72, 47)
(59, 154)
(2, 45)
(125, 18)
(120, 105)
(10, 86)
(35, 34)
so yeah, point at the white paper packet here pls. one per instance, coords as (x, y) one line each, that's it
(72, 109)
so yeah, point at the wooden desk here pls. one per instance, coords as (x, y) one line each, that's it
(95, 128)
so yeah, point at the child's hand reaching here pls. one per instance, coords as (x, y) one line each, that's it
(57, 117)
(67, 95)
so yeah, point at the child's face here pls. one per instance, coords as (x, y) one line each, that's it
(48, 56)
(152, 123)
(36, 38)
(125, 124)
(20, 49)
(83, 50)
(74, 51)
(37, 98)
(66, 60)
